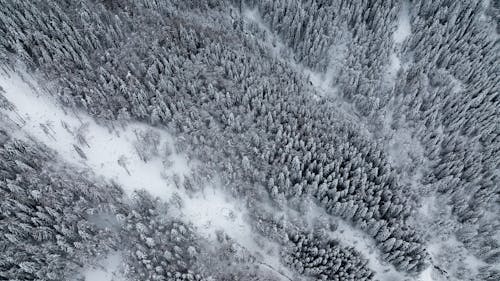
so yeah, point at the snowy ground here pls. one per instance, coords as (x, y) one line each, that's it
(449, 256)
(81, 141)
(403, 31)
(112, 153)
(107, 271)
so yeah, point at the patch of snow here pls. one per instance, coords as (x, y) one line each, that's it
(268, 257)
(106, 271)
(427, 275)
(427, 208)
(403, 149)
(321, 81)
(451, 255)
(394, 65)
(324, 81)
(404, 152)
(212, 210)
(403, 29)
(458, 86)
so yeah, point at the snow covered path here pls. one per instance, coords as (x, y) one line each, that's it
(322, 83)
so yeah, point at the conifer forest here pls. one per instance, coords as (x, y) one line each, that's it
(250, 140)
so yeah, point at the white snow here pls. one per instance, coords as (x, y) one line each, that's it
(451, 255)
(427, 275)
(403, 29)
(403, 149)
(107, 146)
(349, 235)
(40, 117)
(394, 65)
(111, 154)
(321, 81)
(277, 47)
(212, 209)
(106, 271)
(427, 208)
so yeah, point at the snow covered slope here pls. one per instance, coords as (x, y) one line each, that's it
(112, 151)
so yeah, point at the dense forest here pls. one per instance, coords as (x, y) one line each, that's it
(311, 120)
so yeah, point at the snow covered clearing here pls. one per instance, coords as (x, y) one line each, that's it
(83, 142)
(403, 29)
(213, 209)
(452, 258)
(394, 65)
(136, 156)
(108, 269)
(405, 152)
